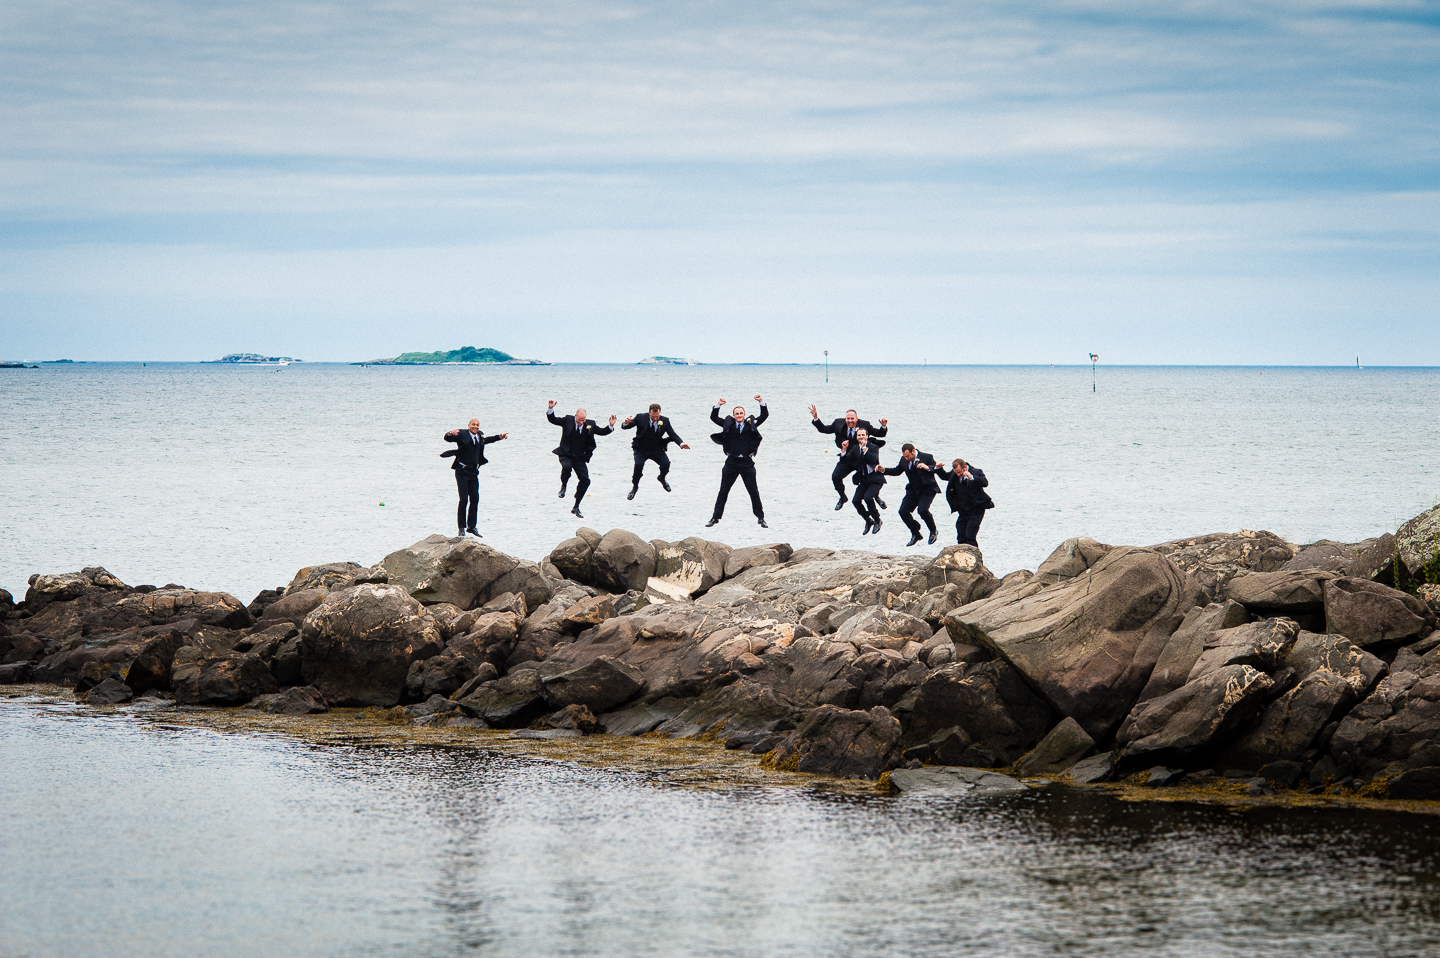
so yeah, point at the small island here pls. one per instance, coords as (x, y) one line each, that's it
(667, 361)
(464, 356)
(9, 365)
(254, 358)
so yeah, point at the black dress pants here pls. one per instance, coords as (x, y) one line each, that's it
(467, 483)
(739, 467)
(864, 501)
(657, 457)
(581, 468)
(915, 499)
(837, 477)
(967, 526)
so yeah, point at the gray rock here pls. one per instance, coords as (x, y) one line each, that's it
(1071, 558)
(602, 685)
(1292, 594)
(327, 576)
(842, 742)
(1361, 560)
(1373, 615)
(292, 606)
(1215, 559)
(1088, 644)
(67, 586)
(1396, 728)
(959, 782)
(547, 734)
(1418, 784)
(622, 561)
(1197, 716)
(1290, 725)
(111, 691)
(1329, 653)
(883, 629)
(695, 565)
(1066, 744)
(460, 571)
(301, 700)
(750, 557)
(232, 678)
(1183, 649)
(142, 656)
(1417, 545)
(512, 701)
(572, 557)
(577, 718)
(990, 702)
(15, 673)
(589, 611)
(1093, 770)
(1160, 776)
(356, 647)
(1260, 645)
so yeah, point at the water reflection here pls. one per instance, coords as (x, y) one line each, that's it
(121, 838)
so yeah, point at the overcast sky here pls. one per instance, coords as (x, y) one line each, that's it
(964, 182)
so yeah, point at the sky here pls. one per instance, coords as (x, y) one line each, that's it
(964, 182)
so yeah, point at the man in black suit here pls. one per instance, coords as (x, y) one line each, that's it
(577, 445)
(863, 458)
(920, 490)
(653, 433)
(965, 491)
(843, 430)
(740, 436)
(469, 454)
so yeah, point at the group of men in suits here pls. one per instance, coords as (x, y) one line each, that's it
(858, 441)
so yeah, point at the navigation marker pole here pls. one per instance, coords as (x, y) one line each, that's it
(1093, 360)
(827, 365)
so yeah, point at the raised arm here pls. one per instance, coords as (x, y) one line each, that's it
(764, 411)
(715, 413)
(606, 430)
(630, 422)
(881, 429)
(550, 414)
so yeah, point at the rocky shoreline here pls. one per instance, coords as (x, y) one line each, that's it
(1235, 664)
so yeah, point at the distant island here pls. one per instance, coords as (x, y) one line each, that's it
(6, 365)
(57, 360)
(253, 358)
(667, 361)
(465, 355)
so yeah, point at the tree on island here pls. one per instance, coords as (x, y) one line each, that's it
(465, 354)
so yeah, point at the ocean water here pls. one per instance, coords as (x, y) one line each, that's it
(123, 837)
(233, 477)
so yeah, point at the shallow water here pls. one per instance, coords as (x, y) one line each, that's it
(126, 836)
(231, 478)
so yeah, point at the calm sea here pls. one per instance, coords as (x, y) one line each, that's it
(125, 838)
(232, 477)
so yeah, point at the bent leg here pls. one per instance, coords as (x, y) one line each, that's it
(663, 461)
(907, 510)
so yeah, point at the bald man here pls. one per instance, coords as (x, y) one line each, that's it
(577, 445)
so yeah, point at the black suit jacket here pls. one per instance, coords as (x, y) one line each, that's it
(647, 437)
(855, 459)
(917, 480)
(841, 432)
(967, 496)
(577, 443)
(739, 439)
(470, 450)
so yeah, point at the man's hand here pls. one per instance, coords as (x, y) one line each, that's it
(504, 435)
(453, 432)
(612, 420)
(719, 402)
(921, 465)
(879, 468)
(684, 445)
(885, 423)
(813, 413)
(628, 420)
(844, 444)
(550, 404)
(758, 399)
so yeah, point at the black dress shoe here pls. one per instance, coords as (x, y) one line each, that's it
(712, 522)
(933, 537)
(764, 524)
(576, 513)
(460, 534)
(474, 532)
(867, 528)
(914, 538)
(664, 483)
(633, 490)
(840, 505)
(876, 530)
(562, 491)
(881, 503)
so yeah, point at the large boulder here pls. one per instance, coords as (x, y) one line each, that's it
(67, 586)
(622, 561)
(1217, 558)
(572, 557)
(1071, 558)
(1087, 644)
(841, 742)
(751, 557)
(1397, 727)
(1417, 547)
(143, 657)
(602, 685)
(356, 647)
(1297, 595)
(232, 678)
(1183, 649)
(1066, 744)
(327, 575)
(1360, 560)
(292, 606)
(960, 571)
(1290, 725)
(1373, 615)
(460, 571)
(989, 702)
(693, 564)
(883, 629)
(511, 701)
(1260, 645)
(1195, 718)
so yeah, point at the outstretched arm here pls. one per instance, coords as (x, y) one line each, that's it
(606, 430)
(496, 438)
